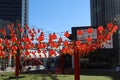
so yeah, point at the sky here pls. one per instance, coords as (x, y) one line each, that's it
(58, 15)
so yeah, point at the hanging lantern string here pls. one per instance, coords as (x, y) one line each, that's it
(54, 40)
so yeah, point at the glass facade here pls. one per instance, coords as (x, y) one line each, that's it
(104, 11)
(14, 10)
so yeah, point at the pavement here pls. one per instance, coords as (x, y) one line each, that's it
(32, 68)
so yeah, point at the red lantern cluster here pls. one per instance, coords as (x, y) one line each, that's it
(103, 34)
(24, 43)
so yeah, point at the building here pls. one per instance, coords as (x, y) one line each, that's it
(103, 12)
(15, 11)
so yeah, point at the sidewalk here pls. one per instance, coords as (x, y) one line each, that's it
(8, 69)
(12, 69)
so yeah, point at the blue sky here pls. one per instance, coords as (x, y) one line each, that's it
(58, 15)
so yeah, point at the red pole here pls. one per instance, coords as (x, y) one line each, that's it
(17, 71)
(76, 65)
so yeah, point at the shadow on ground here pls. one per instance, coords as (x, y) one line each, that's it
(11, 77)
(45, 75)
(114, 75)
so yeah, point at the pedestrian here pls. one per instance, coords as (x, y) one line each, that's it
(20, 68)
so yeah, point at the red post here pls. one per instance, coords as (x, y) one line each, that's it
(17, 71)
(76, 65)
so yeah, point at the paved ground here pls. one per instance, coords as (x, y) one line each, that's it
(32, 68)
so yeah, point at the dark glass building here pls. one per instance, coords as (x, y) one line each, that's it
(103, 12)
(14, 11)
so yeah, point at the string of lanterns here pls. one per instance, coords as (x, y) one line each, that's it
(103, 35)
(24, 42)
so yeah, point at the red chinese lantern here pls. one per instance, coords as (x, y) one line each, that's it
(18, 42)
(100, 37)
(27, 39)
(89, 39)
(100, 29)
(30, 31)
(27, 46)
(2, 53)
(50, 36)
(1, 47)
(7, 41)
(18, 24)
(41, 37)
(50, 41)
(4, 33)
(52, 52)
(21, 29)
(1, 40)
(109, 25)
(108, 37)
(20, 47)
(66, 34)
(114, 29)
(38, 51)
(32, 34)
(71, 51)
(32, 38)
(14, 39)
(63, 50)
(79, 32)
(33, 53)
(14, 48)
(27, 52)
(68, 50)
(40, 56)
(60, 40)
(7, 46)
(33, 45)
(27, 27)
(77, 43)
(66, 43)
(54, 36)
(89, 30)
(44, 45)
(53, 44)
(40, 46)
